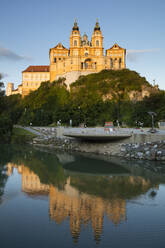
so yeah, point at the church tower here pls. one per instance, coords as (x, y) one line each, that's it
(75, 40)
(10, 88)
(97, 40)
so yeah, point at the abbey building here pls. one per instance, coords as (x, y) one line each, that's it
(83, 57)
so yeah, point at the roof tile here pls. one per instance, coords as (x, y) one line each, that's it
(37, 68)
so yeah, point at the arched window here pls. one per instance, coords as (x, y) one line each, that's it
(81, 65)
(75, 42)
(97, 42)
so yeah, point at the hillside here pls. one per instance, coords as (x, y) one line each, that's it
(109, 84)
(92, 99)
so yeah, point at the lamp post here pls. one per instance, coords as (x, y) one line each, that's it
(79, 108)
(152, 114)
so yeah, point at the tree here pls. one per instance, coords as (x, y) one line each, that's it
(5, 120)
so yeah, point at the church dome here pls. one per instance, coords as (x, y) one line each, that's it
(75, 27)
(97, 26)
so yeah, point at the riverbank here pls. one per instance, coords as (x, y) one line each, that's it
(21, 136)
(142, 145)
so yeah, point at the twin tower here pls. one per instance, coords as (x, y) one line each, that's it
(82, 58)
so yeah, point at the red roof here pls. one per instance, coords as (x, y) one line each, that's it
(37, 68)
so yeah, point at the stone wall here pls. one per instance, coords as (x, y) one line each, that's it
(147, 151)
(73, 76)
(139, 146)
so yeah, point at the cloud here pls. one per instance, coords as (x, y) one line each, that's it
(3, 75)
(133, 55)
(10, 55)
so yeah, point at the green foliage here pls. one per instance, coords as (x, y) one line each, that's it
(45, 165)
(92, 99)
(109, 80)
(5, 128)
(155, 102)
(111, 188)
(43, 106)
(21, 136)
(10, 112)
(13, 107)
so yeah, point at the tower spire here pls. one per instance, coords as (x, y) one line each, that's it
(97, 26)
(75, 27)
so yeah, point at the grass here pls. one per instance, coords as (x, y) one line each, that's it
(21, 131)
(21, 136)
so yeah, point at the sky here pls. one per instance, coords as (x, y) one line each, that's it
(29, 28)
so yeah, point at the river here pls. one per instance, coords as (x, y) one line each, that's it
(57, 199)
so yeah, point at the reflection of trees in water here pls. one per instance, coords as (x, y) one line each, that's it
(50, 171)
(94, 190)
(45, 165)
(123, 187)
(3, 179)
(95, 166)
(83, 198)
(5, 156)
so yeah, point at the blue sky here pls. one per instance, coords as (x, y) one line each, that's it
(29, 28)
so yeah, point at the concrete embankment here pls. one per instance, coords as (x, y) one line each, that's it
(140, 145)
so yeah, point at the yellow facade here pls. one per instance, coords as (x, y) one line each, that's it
(11, 91)
(32, 78)
(82, 58)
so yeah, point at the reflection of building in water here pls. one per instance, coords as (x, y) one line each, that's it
(10, 169)
(11, 166)
(30, 181)
(81, 208)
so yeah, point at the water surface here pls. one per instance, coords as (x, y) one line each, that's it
(68, 200)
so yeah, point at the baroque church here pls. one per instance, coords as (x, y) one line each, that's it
(82, 58)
